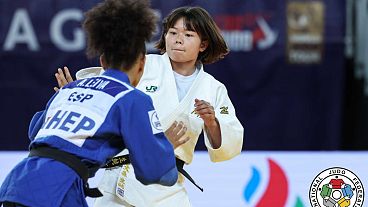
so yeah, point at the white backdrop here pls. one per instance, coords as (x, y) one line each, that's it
(225, 183)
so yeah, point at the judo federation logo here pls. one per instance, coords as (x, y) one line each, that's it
(336, 187)
(155, 122)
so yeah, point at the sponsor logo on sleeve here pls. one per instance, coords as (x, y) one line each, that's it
(195, 113)
(224, 110)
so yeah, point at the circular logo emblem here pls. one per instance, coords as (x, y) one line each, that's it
(155, 122)
(336, 187)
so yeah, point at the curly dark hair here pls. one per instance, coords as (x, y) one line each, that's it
(118, 29)
(199, 20)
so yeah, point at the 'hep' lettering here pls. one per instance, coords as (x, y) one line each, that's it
(69, 121)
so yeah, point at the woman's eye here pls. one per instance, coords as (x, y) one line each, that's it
(173, 33)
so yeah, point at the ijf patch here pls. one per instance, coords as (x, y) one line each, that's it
(155, 122)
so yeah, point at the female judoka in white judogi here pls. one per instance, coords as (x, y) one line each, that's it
(184, 93)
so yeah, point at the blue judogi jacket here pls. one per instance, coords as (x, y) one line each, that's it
(94, 119)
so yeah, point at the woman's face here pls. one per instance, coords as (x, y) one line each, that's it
(182, 45)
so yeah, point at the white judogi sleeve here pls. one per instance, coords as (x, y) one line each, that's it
(231, 129)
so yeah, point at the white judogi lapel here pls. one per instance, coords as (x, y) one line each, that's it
(170, 109)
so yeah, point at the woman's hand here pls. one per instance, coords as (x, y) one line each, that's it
(175, 134)
(206, 111)
(62, 78)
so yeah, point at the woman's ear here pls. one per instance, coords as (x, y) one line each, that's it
(137, 71)
(103, 62)
(203, 46)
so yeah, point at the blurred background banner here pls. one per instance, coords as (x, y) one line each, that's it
(297, 74)
(286, 73)
(260, 178)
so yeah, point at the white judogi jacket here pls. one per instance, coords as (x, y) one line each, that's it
(158, 81)
(158, 73)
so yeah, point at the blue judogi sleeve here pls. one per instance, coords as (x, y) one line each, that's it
(37, 121)
(35, 125)
(151, 154)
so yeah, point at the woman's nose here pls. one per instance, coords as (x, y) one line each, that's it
(179, 39)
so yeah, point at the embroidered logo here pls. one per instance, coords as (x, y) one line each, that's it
(151, 89)
(118, 160)
(224, 110)
(121, 181)
(194, 112)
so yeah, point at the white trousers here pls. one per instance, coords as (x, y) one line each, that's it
(139, 195)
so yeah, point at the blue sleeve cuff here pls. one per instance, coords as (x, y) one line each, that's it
(170, 178)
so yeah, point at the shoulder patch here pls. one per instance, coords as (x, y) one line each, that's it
(155, 122)
(224, 110)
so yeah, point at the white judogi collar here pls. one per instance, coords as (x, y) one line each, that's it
(183, 83)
